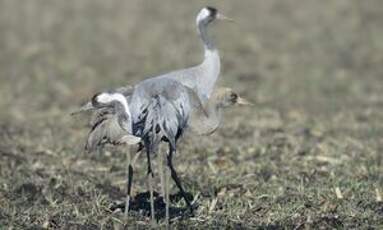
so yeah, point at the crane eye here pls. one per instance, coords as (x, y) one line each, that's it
(233, 96)
(95, 99)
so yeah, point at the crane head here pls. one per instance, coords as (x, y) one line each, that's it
(104, 99)
(110, 100)
(209, 14)
(227, 97)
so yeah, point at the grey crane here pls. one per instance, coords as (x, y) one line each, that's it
(162, 111)
(112, 124)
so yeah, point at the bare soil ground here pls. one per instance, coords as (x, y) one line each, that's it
(308, 155)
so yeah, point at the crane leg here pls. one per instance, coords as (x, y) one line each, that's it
(164, 178)
(161, 171)
(176, 178)
(167, 198)
(129, 185)
(150, 181)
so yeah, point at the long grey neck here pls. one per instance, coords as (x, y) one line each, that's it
(210, 67)
(202, 30)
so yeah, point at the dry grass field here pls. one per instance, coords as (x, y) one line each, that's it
(308, 155)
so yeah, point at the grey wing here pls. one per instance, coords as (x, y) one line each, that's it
(100, 114)
(178, 98)
(104, 131)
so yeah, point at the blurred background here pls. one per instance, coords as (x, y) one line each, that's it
(312, 68)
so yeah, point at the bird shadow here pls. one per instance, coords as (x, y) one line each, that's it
(141, 204)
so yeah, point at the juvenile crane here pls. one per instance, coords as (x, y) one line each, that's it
(203, 120)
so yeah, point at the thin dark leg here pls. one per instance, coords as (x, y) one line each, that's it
(129, 185)
(129, 188)
(167, 197)
(176, 179)
(130, 178)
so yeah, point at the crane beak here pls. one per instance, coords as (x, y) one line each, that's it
(224, 18)
(87, 107)
(243, 101)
